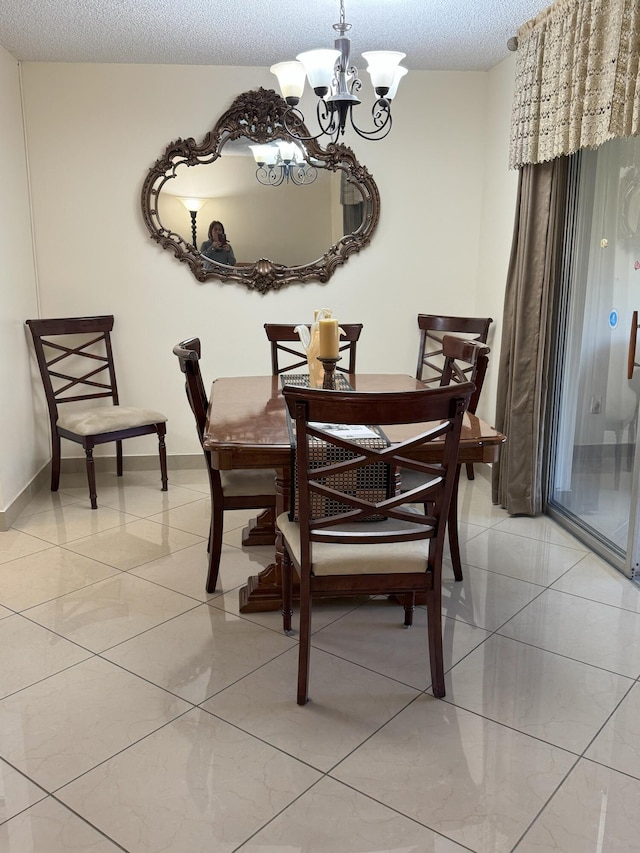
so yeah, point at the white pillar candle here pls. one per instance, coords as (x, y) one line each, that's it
(328, 338)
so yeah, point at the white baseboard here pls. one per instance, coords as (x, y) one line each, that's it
(9, 515)
(76, 464)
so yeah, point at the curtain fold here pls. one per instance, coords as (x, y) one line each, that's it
(534, 270)
(577, 79)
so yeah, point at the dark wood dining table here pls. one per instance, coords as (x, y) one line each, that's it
(247, 427)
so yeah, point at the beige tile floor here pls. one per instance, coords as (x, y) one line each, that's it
(139, 713)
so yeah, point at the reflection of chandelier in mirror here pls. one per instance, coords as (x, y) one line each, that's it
(193, 205)
(280, 162)
(335, 82)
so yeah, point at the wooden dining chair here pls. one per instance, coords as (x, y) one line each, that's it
(370, 546)
(235, 489)
(283, 338)
(464, 361)
(76, 364)
(430, 356)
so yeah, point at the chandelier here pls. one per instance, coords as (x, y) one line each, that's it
(282, 162)
(335, 82)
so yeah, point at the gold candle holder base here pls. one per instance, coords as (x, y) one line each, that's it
(329, 364)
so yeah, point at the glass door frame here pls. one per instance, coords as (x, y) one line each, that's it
(629, 562)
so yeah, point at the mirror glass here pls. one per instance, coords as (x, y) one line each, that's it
(290, 211)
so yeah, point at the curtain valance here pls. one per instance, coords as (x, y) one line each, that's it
(577, 79)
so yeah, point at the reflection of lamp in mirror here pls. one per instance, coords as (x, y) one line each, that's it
(335, 82)
(193, 205)
(280, 162)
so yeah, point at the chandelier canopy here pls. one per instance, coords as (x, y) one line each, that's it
(336, 83)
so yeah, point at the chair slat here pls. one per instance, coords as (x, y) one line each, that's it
(279, 334)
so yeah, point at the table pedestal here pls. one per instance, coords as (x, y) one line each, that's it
(264, 591)
(260, 530)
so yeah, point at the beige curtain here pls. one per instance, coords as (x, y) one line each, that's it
(577, 79)
(534, 269)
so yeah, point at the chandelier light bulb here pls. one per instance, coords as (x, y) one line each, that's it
(291, 77)
(320, 68)
(382, 68)
(265, 154)
(288, 151)
(397, 77)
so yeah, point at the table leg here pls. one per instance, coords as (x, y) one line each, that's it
(260, 530)
(264, 591)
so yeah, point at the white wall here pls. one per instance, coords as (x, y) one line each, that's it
(93, 132)
(22, 430)
(496, 219)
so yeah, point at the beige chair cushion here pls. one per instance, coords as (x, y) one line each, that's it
(108, 419)
(379, 558)
(258, 481)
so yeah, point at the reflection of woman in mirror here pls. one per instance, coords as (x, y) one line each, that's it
(216, 248)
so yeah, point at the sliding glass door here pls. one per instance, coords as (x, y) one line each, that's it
(593, 470)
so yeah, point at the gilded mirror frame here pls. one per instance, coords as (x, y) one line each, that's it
(258, 116)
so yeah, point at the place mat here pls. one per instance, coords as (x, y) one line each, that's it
(371, 483)
(301, 380)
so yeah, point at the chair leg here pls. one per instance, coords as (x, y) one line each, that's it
(215, 546)
(218, 496)
(163, 460)
(304, 650)
(55, 462)
(434, 618)
(409, 607)
(119, 458)
(91, 476)
(452, 527)
(287, 591)
(470, 474)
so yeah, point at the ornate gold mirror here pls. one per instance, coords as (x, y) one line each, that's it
(290, 213)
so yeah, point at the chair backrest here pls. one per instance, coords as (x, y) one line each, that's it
(465, 361)
(78, 368)
(188, 354)
(432, 329)
(282, 335)
(437, 414)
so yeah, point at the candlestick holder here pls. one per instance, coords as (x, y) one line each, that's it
(329, 364)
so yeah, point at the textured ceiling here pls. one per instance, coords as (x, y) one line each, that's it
(462, 35)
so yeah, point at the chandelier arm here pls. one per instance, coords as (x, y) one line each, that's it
(269, 177)
(303, 174)
(310, 174)
(382, 120)
(292, 119)
(296, 173)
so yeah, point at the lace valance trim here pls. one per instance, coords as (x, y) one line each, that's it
(577, 79)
